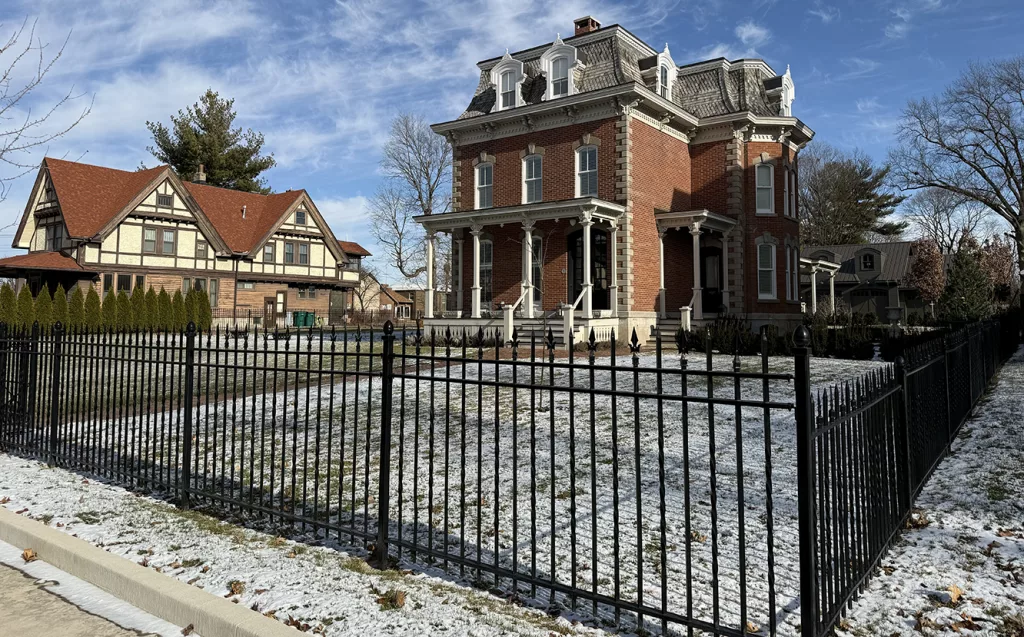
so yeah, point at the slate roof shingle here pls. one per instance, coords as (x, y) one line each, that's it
(897, 259)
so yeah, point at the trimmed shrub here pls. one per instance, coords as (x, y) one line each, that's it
(124, 311)
(110, 310)
(152, 310)
(165, 311)
(26, 308)
(92, 316)
(204, 313)
(138, 300)
(44, 308)
(8, 305)
(192, 307)
(76, 308)
(178, 316)
(60, 306)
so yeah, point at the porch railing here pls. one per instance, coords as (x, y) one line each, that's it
(569, 315)
(510, 311)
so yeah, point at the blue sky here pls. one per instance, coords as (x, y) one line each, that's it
(322, 79)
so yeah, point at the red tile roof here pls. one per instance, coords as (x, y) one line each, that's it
(90, 196)
(223, 207)
(42, 261)
(353, 248)
(395, 296)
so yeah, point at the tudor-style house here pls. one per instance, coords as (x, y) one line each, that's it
(597, 183)
(258, 257)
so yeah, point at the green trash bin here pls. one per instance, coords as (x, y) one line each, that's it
(298, 318)
(310, 319)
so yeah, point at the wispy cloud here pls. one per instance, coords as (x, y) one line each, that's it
(867, 104)
(824, 12)
(905, 14)
(857, 67)
(752, 34)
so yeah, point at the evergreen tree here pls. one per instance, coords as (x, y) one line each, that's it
(152, 310)
(109, 310)
(178, 316)
(202, 134)
(125, 318)
(92, 314)
(968, 293)
(8, 305)
(44, 308)
(60, 307)
(204, 313)
(192, 307)
(138, 301)
(26, 308)
(165, 311)
(76, 309)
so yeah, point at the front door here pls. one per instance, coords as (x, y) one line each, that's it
(711, 279)
(281, 310)
(269, 314)
(599, 273)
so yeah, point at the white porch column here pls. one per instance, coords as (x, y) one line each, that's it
(832, 292)
(528, 257)
(661, 272)
(698, 302)
(428, 304)
(814, 290)
(725, 271)
(475, 290)
(614, 291)
(458, 277)
(587, 221)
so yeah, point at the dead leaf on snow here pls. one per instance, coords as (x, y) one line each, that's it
(955, 593)
(752, 627)
(29, 556)
(4, 500)
(1000, 533)
(187, 630)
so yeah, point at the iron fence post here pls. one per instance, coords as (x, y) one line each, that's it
(58, 340)
(32, 357)
(809, 616)
(380, 549)
(903, 440)
(5, 395)
(186, 447)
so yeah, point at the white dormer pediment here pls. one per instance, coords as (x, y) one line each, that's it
(788, 95)
(558, 64)
(662, 76)
(507, 77)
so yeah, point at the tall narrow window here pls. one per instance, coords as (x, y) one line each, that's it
(486, 270)
(586, 167)
(508, 89)
(796, 273)
(792, 193)
(289, 252)
(149, 240)
(560, 77)
(124, 282)
(766, 271)
(663, 81)
(300, 217)
(168, 243)
(532, 173)
(765, 189)
(304, 254)
(484, 186)
(785, 192)
(201, 247)
(268, 253)
(140, 281)
(214, 289)
(537, 258)
(789, 278)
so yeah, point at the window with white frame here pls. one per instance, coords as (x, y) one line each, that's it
(789, 278)
(766, 271)
(486, 272)
(663, 85)
(785, 192)
(765, 174)
(508, 89)
(533, 167)
(586, 171)
(796, 273)
(484, 186)
(560, 77)
(792, 193)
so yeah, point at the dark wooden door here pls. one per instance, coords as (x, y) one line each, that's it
(711, 278)
(599, 267)
(269, 310)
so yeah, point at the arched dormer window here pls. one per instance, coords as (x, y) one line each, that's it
(663, 81)
(664, 74)
(507, 77)
(788, 95)
(557, 64)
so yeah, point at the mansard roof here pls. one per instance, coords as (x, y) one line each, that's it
(613, 56)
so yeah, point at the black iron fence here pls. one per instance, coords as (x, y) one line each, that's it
(651, 489)
(865, 449)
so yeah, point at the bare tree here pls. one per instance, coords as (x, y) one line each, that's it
(417, 164)
(944, 217)
(970, 141)
(368, 288)
(23, 129)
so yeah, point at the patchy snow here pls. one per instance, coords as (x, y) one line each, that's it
(960, 569)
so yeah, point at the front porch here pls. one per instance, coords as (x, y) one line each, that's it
(50, 269)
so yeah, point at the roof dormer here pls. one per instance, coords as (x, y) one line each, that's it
(868, 262)
(557, 64)
(507, 77)
(660, 73)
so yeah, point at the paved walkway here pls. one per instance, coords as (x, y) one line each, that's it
(38, 600)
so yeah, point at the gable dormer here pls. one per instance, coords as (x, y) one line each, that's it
(507, 77)
(868, 263)
(558, 65)
(660, 72)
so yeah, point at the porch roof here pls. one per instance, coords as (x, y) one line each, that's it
(54, 261)
(706, 218)
(599, 208)
(819, 265)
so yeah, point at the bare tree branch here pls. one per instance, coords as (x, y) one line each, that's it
(945, 217)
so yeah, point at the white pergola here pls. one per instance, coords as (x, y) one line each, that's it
(695, 221)
(586, 211)
(814, 266)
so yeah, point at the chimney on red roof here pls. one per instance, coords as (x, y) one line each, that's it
(201, 175)
(243, 212)
(586, 24)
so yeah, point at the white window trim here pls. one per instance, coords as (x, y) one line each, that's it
(541, 178)
(789, 277)
(771, 201)
(558, 49)
(580, 151)
(785, 192)
(490, 273)
(476, 185)
(665, 59)
(774, 295)
(507, 63)
(796, 273)
(792, 192)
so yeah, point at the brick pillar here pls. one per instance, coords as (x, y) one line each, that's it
(623, 195)
(735, 160)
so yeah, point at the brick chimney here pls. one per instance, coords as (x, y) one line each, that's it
(586, 24)
(201, 175)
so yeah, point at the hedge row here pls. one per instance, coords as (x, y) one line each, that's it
(149, 310)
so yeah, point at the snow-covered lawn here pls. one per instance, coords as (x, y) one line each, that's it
(467, 477)
(960, 570)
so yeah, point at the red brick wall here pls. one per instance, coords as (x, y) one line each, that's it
(661, 181)
(709, 180)
(559, 164)
(779, 226)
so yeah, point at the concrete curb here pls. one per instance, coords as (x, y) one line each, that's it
(155, 593)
